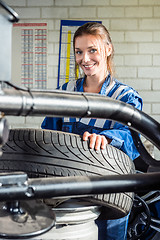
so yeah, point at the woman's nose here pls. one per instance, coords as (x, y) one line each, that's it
(86, 57)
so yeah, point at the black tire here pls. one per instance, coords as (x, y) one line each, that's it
(43, 153)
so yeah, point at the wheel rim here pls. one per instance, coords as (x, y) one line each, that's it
(140, 219)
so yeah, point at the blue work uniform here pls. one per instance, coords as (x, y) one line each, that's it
(119, 134)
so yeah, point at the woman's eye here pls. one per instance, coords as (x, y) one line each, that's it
(93, 50)
(78, 52)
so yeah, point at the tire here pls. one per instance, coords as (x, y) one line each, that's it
(46, 153)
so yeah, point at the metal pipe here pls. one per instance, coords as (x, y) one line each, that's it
(69, 186)
(14, 15)
(62, 103)
(76, 186)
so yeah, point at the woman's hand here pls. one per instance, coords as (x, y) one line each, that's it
(96, 141)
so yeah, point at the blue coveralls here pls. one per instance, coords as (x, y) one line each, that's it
(118, 133)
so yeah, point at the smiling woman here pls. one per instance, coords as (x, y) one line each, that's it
(99, 42)
(94, 52)
(90, 54)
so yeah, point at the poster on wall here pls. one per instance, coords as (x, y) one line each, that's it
(29, 55)
(66, 64)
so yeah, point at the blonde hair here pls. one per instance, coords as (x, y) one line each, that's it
(96, 29)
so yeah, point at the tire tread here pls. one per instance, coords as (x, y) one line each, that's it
(43, 153)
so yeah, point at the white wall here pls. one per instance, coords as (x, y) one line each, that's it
(135, 29)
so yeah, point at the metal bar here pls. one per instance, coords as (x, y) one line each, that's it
(78, 186)
(62, 103)
(15, 17)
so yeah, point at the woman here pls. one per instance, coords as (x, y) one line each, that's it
(94, 52)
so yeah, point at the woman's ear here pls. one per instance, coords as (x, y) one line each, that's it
(109, 50)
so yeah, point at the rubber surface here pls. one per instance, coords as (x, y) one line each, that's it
(43, 153)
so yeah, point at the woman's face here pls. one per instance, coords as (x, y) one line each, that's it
(91, 55)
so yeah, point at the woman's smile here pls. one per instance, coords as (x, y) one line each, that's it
(88, 66)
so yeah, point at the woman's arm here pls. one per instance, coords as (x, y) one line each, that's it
(118, 135)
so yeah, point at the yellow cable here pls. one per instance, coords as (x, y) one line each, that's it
(68, 55)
